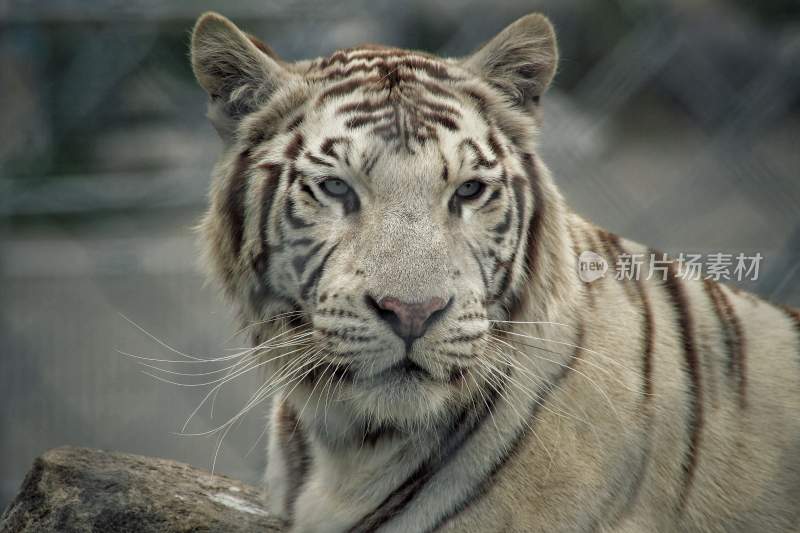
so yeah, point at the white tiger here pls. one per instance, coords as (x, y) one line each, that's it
(407, 266)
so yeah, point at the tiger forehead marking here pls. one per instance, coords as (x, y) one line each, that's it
(407, 270)
(396, 94)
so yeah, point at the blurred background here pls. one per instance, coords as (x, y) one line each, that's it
(676, 123)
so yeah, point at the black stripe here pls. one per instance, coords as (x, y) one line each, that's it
(299, 262)
(518, 192)
(437, 107)
(364, 120)
(295, 447)
(733, 337)
(260, 262)
(535, 227)
(794, 316)
(503, 226)
(328, 147)
(294, 147)
(369, 163)
(480, 158)
(431, 68)
(461, 430)
(311, 282)
(346, 87)
(477, 258)
(440, 119)
(294, 124)
(340, 74)
(677, 295)
(345, 334)
(615, 249)
(494, 145)
(350, 202)
(481, 101)
(464, 338)
(293, 220)
(294, 174)
(317, 161)
(267, 198)
(310, 192)
(512, 449)
(648, 326)
(235, 191)
(491, 199)
(364, 106)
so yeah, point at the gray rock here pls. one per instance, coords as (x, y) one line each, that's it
(82, 490)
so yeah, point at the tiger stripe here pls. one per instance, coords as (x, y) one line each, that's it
(464, 426)
(234, 195)
(613, 247)
(311, 283)
(270, 185)
(733, 337)
(294, 148)
(685, 322)
(511, 449)
(794, 316)
(294, 441)
(480, 159)
(534, 229)
(291, 217)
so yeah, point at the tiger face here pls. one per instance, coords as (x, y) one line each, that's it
(377, 206)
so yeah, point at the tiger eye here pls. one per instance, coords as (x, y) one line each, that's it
(470, 189)
(335, 187)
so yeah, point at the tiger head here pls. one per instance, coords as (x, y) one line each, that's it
(377, 213)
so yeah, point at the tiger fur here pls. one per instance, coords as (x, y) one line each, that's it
(356, 189)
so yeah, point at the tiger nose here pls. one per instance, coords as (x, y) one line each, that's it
(408, 320)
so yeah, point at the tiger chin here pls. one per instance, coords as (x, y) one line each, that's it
(406, 267)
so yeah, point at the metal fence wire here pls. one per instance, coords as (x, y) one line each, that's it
(673, 123)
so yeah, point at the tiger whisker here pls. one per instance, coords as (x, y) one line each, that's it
(497, 386)
(573, 369)
(533, 396)
(601, 368)
(267, 321)
(196, 360)
(241, 361)
(552, 385)
(202, 384)
(217, 387)
(543, 322)
(256, 398)
(563, 343)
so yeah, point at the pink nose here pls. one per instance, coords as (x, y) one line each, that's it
(408, 320)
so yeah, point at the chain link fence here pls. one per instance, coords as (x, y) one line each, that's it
(673, 123)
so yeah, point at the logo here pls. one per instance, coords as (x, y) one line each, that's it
(591, 266)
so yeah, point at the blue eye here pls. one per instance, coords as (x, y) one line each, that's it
(335, 187)
(470, 189)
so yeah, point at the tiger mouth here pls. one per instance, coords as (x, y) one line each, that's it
(404, 370)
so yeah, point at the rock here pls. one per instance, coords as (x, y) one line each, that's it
(82, 490)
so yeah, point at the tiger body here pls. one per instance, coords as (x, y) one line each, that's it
(356, 187)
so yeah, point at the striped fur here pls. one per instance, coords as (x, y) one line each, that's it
(535, 402)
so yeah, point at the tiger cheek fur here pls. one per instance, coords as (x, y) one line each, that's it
(406, 268)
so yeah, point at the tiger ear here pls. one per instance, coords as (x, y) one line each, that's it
(238, 72)
(520, 61)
